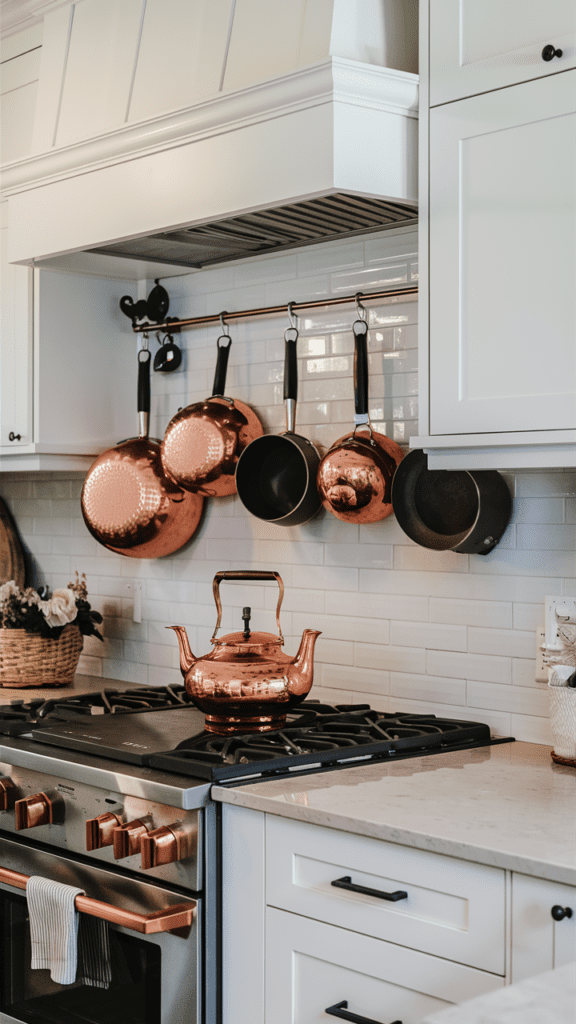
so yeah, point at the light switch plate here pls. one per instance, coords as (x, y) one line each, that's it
(541, 673)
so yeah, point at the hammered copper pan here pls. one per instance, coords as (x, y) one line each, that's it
(204, 441)
(355, 476)
(128, 503)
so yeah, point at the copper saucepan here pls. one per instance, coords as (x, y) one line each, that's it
(355, 476)
(128, 503)
(204, 441)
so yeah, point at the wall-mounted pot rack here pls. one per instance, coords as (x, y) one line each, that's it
(172, 324)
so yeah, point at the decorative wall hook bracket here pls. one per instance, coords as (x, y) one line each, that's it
(151, 311)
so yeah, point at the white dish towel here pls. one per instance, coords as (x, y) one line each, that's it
(53, 927)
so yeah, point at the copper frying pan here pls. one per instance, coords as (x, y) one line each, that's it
(128, 503)
(355, 476)
(204, 441)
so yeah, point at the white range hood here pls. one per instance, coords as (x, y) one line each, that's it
(324, 148)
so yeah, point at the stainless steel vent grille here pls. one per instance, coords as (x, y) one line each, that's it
(283, 227)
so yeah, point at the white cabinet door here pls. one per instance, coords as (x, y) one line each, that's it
(539, 942)
(313, 967)
(502, 260)
(479, 45)
(16, 353)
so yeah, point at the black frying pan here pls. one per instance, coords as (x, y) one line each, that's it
(450, 510)
(276, 474)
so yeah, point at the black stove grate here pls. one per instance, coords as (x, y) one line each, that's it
(20, 716)
(323, 737)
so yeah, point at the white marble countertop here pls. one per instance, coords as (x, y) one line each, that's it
(507, 805)
(546, 999)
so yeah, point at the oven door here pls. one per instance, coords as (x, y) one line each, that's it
(155, 974)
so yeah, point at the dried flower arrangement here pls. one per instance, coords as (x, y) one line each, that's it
(26, 609)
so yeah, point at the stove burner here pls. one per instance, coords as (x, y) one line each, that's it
(20, 716)
(320, 738)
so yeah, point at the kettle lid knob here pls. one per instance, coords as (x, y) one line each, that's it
(246, 615)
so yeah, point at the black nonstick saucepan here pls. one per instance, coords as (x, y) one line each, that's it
(276, 473)
(450, 510)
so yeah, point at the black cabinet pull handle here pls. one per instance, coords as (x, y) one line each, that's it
(340, 1010)
(347, 883)
(550, 51)
(14, 437)
(559, 913)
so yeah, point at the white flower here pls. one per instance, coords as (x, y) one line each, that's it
(60, 609)
(7, 589)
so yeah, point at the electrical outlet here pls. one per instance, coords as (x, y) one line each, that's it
(541, 673)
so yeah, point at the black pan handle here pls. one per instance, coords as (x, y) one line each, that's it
(219, 386)
(290, 364)
(347, 883)
(341, 1010)
(144, 380)
(360, 330)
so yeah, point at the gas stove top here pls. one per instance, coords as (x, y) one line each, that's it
(20, 716)
(165, 732)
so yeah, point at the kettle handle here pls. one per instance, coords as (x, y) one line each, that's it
(246, 574)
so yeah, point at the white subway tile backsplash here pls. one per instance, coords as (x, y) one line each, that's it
(404, 627)
(437, 689)
(469, 666)
(429, 635)
(515, 699)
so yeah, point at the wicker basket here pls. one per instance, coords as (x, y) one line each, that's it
(27, 659)
(563, 723)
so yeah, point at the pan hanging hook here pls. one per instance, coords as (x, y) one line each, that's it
(360, 309)
(291, 332)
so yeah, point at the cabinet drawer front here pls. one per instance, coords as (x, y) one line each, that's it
(312, 966)
(453, 908)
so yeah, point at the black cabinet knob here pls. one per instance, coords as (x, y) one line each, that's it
(559, 913)
(550, 51)
(14, 437)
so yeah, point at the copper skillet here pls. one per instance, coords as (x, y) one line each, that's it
(355, 476)
(204, 441)
(128, 503)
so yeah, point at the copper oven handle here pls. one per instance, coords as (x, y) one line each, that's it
(180, 915)
(246, 574)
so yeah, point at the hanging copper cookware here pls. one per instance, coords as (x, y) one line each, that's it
(355, 476)
(128, 503)
(204, 441)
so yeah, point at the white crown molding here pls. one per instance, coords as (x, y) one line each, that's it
(17, 15)
(336, 80)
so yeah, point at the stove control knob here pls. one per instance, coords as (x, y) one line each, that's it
(8, 794)
(166, 844)
(34, 810)
(99, 831)
(126, 838)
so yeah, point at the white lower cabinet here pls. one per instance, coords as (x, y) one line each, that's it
(312, 968)
(297, 948)
(541, 939)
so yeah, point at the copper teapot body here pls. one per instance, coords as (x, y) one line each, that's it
(247, 683)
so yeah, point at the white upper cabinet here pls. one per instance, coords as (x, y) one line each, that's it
(480, 45)
(503, 260)
(497, 322)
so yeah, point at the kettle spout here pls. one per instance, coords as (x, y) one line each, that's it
(302, 668)
(187, 659)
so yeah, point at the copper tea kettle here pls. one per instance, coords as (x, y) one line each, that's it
(247, 684)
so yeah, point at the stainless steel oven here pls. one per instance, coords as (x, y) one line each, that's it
(155, 974)
(154, 900)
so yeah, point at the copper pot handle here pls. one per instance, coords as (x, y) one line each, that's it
(173, 918)
(246, 574)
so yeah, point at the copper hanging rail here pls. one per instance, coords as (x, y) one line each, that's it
(171, 324)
